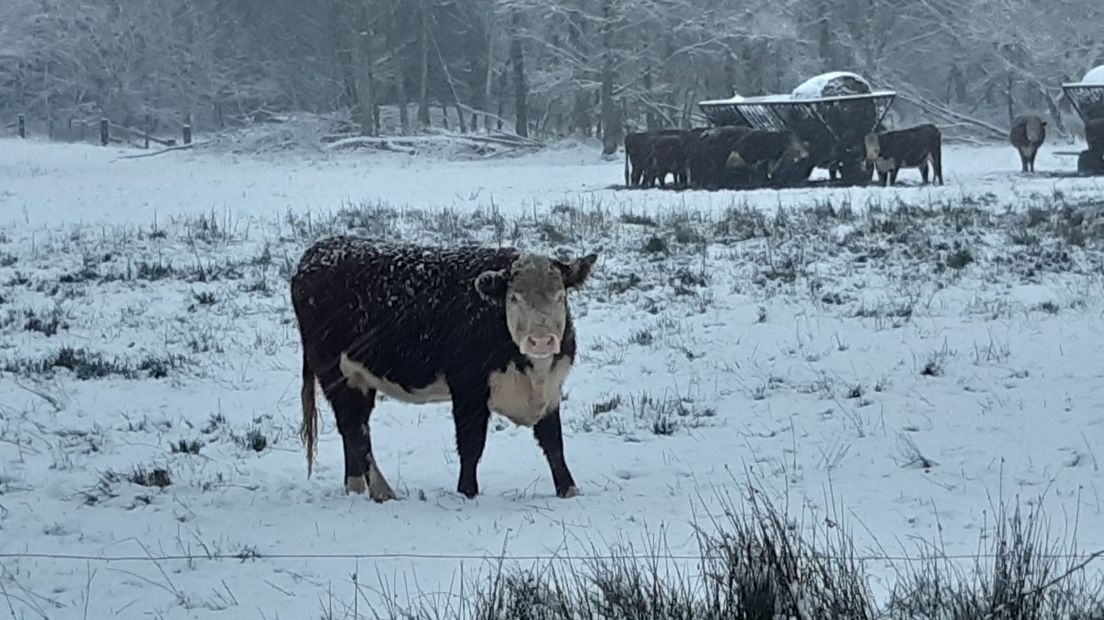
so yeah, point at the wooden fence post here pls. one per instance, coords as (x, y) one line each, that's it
(22, 126)
(69, 130)
(104, 135)
(188, 128)
(149, 128)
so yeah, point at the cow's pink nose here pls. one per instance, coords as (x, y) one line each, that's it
(542, 343)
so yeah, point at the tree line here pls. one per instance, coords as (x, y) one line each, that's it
(540, 68)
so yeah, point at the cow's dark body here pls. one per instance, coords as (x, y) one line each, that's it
(637, 152)
(650, 156)
(1026, 144)
(670, 151)
(1094, 135)
(765, 152)
(1091, 160)
(410, 315)
(911, 148)
(709, 151)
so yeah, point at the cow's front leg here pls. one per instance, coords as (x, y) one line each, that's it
(550, 437)
(470, 413)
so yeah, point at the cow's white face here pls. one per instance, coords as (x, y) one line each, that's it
(873, 146)
(1034, 129)
(534, 291)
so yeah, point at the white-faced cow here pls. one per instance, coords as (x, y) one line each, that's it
(1027, 134)
(485, 329)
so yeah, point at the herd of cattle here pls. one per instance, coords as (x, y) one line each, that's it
(737, 157)
(490, 329)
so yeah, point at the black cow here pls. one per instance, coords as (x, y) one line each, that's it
(650, 156)
(636, 155)
(487, 329)
(769, 152)
(917, 146)
(708, 153)
(671, 150)
(1027, 134)
(1091, 160)
(1094, 135)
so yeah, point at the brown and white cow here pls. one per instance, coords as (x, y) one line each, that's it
(917, 146)
(485, 329)
(1027, 134)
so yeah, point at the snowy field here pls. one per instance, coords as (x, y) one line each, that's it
(895, 359)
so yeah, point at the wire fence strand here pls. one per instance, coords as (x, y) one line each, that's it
(254, 555)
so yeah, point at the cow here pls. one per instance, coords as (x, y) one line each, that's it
(1091, 160)
(636, 156)
(1027, 134)
(769, 152)
(670, 150)
(487, 329)
(650, 156)
(1094, 135)
(917, 146)
(709, 151)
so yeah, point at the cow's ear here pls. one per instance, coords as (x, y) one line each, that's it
(577, 271)
(491, 285)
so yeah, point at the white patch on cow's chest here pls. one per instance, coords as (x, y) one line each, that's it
(527, 396)
(359, 378)
(884, 164)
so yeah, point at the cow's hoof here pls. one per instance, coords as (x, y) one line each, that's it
(570, 491)
(468, 492)
(378, 489)
(356, 484)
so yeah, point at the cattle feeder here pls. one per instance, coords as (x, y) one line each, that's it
(1087, 99)
(830, 120)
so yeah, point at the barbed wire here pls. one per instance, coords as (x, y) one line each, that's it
(255, 555)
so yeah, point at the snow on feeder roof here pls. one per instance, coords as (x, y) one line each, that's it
(1095, 76)
(832, 84)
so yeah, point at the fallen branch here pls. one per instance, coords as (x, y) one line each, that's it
(179, 147)
(383, 144)
(947, 113)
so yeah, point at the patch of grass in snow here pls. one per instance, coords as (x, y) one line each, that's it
(1020, 572)
(86, 364)
(254, 439)
(187, 446)
(45, 322)
(756, 561)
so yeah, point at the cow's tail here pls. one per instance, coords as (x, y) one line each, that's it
(626, 166)
(308, 428)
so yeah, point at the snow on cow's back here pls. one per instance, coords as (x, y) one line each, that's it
(398, 257)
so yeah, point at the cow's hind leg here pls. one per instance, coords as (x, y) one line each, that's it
(550, 438)
(353, 409)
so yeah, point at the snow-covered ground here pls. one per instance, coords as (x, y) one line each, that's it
(894, 358)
